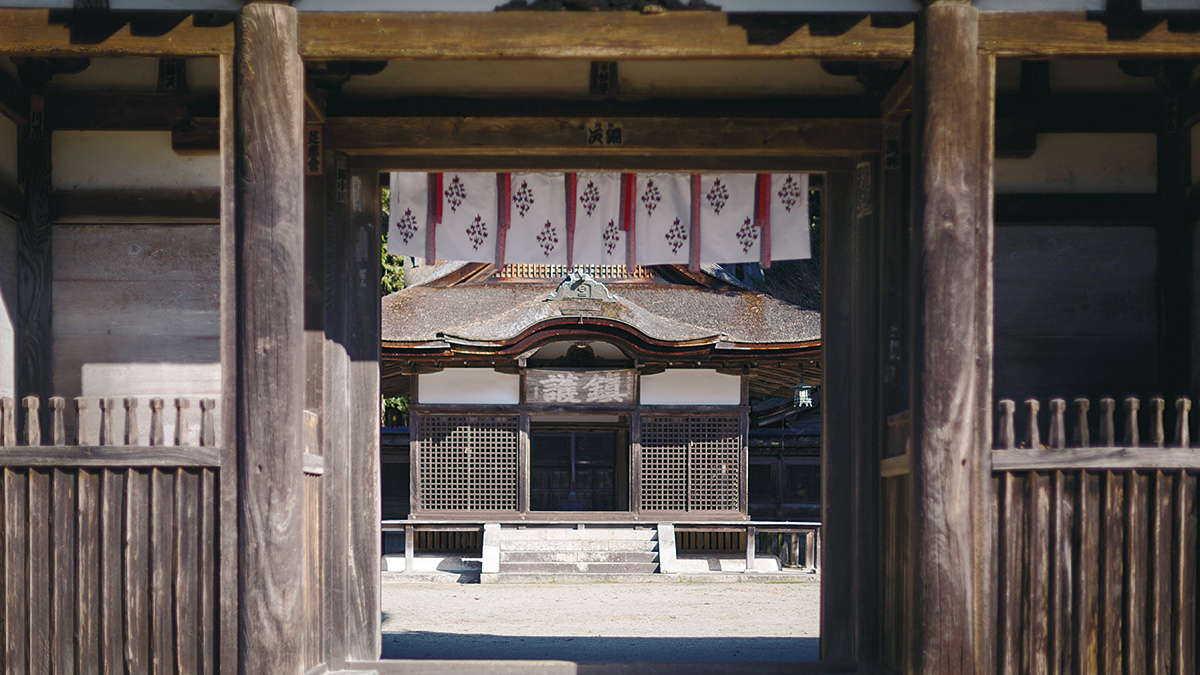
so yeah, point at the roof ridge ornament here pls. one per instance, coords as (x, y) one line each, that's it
(581, 286)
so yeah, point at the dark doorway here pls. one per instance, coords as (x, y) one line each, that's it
(573, 470)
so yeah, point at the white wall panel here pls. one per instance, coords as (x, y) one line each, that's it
(469, 385)
(98, 160)
(691, 387)
(1083, 163)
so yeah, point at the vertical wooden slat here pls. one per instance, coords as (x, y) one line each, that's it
(1162, 538)
(16, 557)
(41, 652)
(112, 595)
(207, 589)
(137, 571)
(88, 614)
(162, 571)
(1013, 625)
(187, 570)
(1038, 658)
(1087, 588)
(63, 585)
(58, 427)
(1112, 655)
(1137, 571)
(81, 435)
(1062, 644)
(268, 181)
(1185, 574)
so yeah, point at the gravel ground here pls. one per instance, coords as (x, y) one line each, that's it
(603, 622)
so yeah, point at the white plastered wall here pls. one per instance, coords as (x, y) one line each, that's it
(1083, 163)
(136, 307)
(105, 160)
(691, 387)
(470, 386)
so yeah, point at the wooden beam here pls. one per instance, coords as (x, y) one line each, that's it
(268, 180)
(597, 36)
(127, 111)
(950, 243)
(1086, 209)
(42, 32)
(113, 456)
(125, 206)
(898, 102)
(1095, 459)
(600, 36)
(532, 135)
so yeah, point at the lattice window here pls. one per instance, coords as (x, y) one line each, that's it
(664, 463)
(691, 463)
(713, 464)
(467, 462)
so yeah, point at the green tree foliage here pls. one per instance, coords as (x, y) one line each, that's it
(394, 412)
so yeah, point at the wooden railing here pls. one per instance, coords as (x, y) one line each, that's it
(109, 548)
(1096, 539)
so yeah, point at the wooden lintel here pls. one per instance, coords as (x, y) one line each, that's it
(1095, 459)
(122, 456)
(537, 135)
(127, 111)
(158, 206)
(1086, 209)
(599, 36)
(12, 198)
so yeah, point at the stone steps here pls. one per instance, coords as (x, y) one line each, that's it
(573, 534)
(556, 545)
(564, 556)
(579, 568)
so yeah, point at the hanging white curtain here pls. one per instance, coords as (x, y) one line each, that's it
(740, 217)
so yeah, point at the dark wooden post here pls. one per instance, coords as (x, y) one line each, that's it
(363, 628)
(950, 526)
(34, 273)
(268, 184)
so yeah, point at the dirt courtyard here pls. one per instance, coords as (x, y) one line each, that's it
(603, 622)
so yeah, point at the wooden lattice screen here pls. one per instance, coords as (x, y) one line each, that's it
(690, 463)
(467, 462)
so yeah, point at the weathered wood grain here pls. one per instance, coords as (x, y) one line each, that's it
(1038, 655)
(41, 648)
(162, 571)
(112, 598)
(16, 555)
(65, 568)
(1112, 659)
(1162, 535)
(186, 594)
(206, 590)
(136, 592)
(1137, 572)
(111, 456)
(1013, 596)
(952, 633)
(1063, 542)
(1087, 573)
(1184, 596)
(1101, 458)
(268, 178)
(34, 268)
(363, 608)
(87, 580)
(135, 206)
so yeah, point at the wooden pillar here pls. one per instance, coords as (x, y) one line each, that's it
(268, 184)
(34, 273)
(950, 522)
(363, 618)
(1174, 250)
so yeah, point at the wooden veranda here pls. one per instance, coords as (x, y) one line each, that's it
(257, 550)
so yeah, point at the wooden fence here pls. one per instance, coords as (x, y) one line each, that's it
(109, 549)
(1096, 541)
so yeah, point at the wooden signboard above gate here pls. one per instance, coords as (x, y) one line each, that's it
(590, 387)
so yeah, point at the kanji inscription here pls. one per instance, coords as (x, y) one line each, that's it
(593, 387)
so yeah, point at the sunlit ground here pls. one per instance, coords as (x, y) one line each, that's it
(603, 622)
